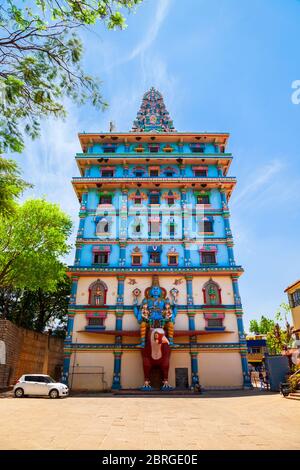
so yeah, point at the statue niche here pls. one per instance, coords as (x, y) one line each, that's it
(156, 316)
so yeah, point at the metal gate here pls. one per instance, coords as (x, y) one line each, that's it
(278, 368)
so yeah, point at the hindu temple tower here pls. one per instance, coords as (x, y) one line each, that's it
(154, 249)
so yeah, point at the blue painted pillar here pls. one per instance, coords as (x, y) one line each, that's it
(194, 367)
(84, 199)
(187, 254)
(116, 385)
(78, 254)
(66, 368)
(70, 326)
(122, 257)
(189, 289)
(241, 332)
(74, 286)
(125, 170)
(230, 253)
(183, 208)
(191, 316)
(123, 214)
(236, 292)
(80, 233)
(120, 303)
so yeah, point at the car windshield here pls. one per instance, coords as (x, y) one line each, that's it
(49, 380)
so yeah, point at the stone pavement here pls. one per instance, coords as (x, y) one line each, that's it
(215, 420)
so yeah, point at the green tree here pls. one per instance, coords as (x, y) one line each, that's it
(279, 336)
(11, 186)
(32, 242)
(41, 60)
(262, 326)
(37, 310)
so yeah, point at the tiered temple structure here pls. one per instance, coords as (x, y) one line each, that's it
(155, 300)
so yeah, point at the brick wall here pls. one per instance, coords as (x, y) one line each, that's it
(28, 352)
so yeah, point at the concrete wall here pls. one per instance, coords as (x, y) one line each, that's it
(28, 352)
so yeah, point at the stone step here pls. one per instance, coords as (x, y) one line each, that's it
(137, 392)
(295, 394)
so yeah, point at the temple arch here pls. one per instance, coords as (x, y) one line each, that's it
(97, 293)
(102, 226)
(212, 293)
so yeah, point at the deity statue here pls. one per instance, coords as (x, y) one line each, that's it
(156, 311)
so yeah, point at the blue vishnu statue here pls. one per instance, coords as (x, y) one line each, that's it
(156, 311)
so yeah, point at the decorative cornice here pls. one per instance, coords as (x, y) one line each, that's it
(236, 270)
(158, 179)
(143, 241)
(134, 347)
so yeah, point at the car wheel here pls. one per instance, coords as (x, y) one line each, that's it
(19, 393)
(54, 393)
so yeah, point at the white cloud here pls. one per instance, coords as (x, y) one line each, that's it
(151, 34)
(258, 182)
(160, 14)
(48, 163)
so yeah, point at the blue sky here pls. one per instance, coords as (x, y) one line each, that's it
(222, 65)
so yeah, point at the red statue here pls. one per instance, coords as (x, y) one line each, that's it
(156, 353)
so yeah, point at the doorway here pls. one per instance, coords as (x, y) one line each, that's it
(182, 378)
(156, 378)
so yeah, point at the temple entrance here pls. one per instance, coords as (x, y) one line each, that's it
(156, 378)
(182, 378)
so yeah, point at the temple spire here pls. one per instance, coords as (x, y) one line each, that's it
(153, 115)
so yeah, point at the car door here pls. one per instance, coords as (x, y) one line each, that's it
(41, 386)
(30, 385)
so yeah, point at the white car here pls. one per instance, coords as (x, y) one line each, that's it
(39, 385)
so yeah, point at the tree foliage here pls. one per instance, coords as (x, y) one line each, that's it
(37, 310)
(32, 242)
(11, 186)
(279, 331)
(41, 61)
(262, 326)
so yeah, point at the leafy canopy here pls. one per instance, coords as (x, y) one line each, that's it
(39, 309)
(32, 242)
(40, 61)
(11, 186)
(279, 336)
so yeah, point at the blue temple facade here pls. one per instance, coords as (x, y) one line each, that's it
(154, 217)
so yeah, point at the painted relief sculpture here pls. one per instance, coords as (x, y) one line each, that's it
(156, 316)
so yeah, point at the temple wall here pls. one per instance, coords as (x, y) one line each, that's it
(229, 323)
(216, 370)
(224, 282)
(179, 359)
(142, 282)
(182, 322)
(81, 336)
(220, 369)
(132, 375)
(84, 283)
(86, 371)
(130, 322)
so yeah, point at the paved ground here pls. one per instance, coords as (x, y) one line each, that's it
(256, 420)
